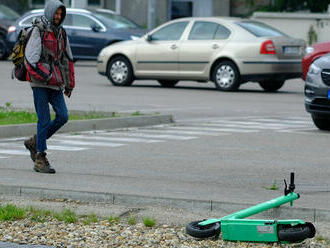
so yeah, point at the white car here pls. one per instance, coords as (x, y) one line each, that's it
(227, 51)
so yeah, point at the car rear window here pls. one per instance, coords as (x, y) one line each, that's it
(260, 29)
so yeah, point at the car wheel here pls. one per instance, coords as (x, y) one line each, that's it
(120, 72)
(168, 83)
(271, 85)
(226, 76)
(201, 232)
(296, 233)
(322, 123)
(3, 49)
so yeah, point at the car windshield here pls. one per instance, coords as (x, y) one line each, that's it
(7, 13)
(260, 29)
(116, 21)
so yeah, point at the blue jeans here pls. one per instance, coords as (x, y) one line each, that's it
(47, 127)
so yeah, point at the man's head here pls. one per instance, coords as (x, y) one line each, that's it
(55, 12)
(58, 16)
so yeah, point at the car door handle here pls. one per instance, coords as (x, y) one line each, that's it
(215, 46)
(174, 47)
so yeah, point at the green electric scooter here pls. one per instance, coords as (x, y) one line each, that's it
(235, 228)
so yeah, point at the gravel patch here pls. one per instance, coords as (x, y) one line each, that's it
(107, 234)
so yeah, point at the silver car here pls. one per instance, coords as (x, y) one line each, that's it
(317, 92)
(227, 51)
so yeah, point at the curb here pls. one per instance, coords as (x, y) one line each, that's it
(224, 208)
(8, 131)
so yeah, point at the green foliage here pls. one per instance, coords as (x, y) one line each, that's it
(10, 212)
(293, 5)
(132, 220)
(90, 219)
(149, 222)
(67, 216)
(273, 186)
(112, 219)
(38, 215)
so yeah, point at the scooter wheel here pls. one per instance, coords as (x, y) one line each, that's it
(202, 232)
(296, 233)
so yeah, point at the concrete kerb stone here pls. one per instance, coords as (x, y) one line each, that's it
(8, 131)
(214, 207)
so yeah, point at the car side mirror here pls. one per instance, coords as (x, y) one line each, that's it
(96, 28)
(149, 38)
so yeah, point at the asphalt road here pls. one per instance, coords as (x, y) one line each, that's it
(224, 146)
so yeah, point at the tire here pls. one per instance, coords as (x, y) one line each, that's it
(271, 85)
(168, 83)
(226, 76)
(322, 123)
(202, 232)
(296, 233)
(3, 49)
(120, 72)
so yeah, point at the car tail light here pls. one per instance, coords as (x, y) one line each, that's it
(267, 47)
(11, 29)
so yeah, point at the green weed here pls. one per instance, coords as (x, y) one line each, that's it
(67, 216)
(149, 222)
(10, 212)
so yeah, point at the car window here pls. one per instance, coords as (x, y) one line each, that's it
(116, 21)
(7, 13)
(170, 32)
(28, 21)
(68, 20)
(82, 21)
(222, 33)
(203, 31)
(260, 29)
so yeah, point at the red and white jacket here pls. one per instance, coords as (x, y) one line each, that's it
(48, 57)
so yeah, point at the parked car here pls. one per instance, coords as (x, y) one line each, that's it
(312, 53)
(317, 92)
(227, 51)
(88, 30)
(7, 18)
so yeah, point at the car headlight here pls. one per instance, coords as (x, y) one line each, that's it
(133, 37)
(313, 69)
(309, 50)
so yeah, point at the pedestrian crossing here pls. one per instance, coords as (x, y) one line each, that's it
(179, 132)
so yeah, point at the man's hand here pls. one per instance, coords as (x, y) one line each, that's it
(67, 92)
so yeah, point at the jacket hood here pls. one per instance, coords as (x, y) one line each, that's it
(51, 8)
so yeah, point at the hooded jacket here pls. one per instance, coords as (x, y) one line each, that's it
(48, 56)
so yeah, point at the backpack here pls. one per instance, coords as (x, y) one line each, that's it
(18, 54)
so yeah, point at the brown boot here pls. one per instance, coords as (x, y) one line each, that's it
(31, 145)
(42, 165)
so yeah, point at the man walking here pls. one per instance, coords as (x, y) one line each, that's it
(49, 64)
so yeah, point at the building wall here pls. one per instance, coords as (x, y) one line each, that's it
(287, 23)
(242, 8)
(221, 7)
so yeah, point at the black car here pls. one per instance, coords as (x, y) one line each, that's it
(88, 30)
(7, 18)
(317, 92)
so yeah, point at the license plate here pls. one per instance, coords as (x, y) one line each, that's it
(291, 50)
(329, 94)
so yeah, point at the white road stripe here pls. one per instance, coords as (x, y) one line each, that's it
(3, 157)
(14, 152)
(157, 136)
(65, 148)
(217, 129)
(113, 139)
(181, 132)
(83, 143)
(257, 126)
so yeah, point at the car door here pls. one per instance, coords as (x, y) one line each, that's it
(85, 42)
(158, 56)
(205, 40)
